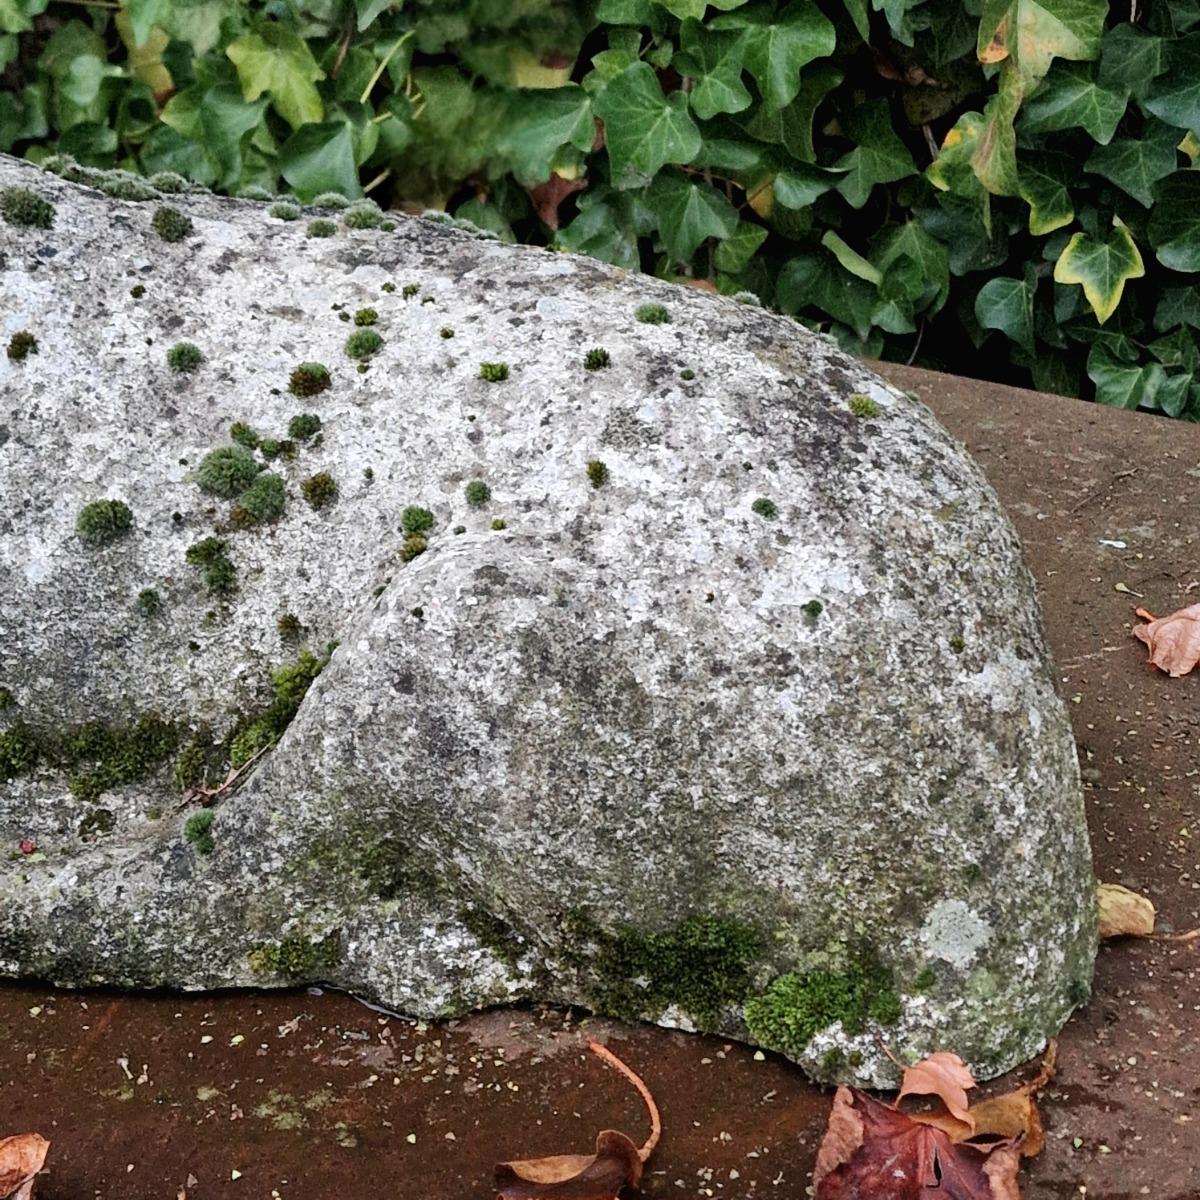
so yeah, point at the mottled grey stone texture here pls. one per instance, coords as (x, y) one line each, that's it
(539, 754)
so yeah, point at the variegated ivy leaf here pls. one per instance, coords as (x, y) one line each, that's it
(1030, 34)
(1101, 266)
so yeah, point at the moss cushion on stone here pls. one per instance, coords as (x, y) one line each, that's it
(646, 748)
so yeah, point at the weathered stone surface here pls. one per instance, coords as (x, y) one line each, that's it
(611, 753)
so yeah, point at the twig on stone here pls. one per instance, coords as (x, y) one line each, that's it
(208, 796)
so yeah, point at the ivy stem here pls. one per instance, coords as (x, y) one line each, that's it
(378, 179)
(379, 70)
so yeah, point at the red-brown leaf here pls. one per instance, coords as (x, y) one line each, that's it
(548, 196)
(944, 1075)
(599, 1176)
(21, 1158)
(1174, 641)
(897, 1158)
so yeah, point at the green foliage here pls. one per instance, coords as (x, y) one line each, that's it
(702, 965)
(149, 602)
(652, 314)
(1008, 187)
(220, 575)
(184, 356)
(21, 345)
(596, 359)
(197, 829)
(260, 731)
(103, 521)
(597, 473)
(366, 316)
(363, 343)
(493, 372)
(765, 508)
(320, 490)
(863, 406)
(264, 499)
(415, 519)
(306, 425)
(412, 546)
(20, 751)
(477, 493)
(244, 435)
(309, 379)
(795, 1007)
(171, 225)
(294, 957)
(227, 471)
(20, 206)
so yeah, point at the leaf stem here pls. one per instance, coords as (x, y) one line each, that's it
(609, 1057)
(379, 70)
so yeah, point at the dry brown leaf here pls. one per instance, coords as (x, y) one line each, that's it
(616, 1164)
(872, 1151)
(21, 1158)
(945, 1076)
(1123, 913)
(1174, 641)
(547, 197)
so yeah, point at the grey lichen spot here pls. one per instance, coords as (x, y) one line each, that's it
(955, 933)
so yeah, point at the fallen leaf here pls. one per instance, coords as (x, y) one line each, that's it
(872, 1151)
(1123, 913)
(21, 1158)
(944, 1075)
(1174, 641)
(1015, 1114)
(548, 196)
(616, 1164)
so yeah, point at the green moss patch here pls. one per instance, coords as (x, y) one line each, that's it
(290, 684)
(701, 965)
(227, 471)
(197, 829)
(20, 206)
(103, 521)
(21, 345)
(652, 314)
(171, 225)
(794, 1007)
(294, 957)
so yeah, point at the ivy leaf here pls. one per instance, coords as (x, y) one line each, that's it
(1007, 305)
(995, 159)
(776, 49)
(879, 157)
(320, 158)
(735, 252)
(914, 263)
(1174, 228)
(278, 61)
(196, 22)
(538, 123)
(816, 279)
(144, 15)
(1101, 266)
(694, 9)
(16, 16)
(851, 259)
(1070, 97)
(605, 227)
(1043, 185)
(1030, 34)
(801, 184)
(791, 126)
(1174, 96)
(857, 12)
(368, 10)
(1135, 165)
(689, 212)
(643, 128)
(1177, 306)
(714, 61)
(1122, 385)
(1131, 58)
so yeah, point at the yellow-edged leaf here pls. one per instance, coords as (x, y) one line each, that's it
(1101, 266)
